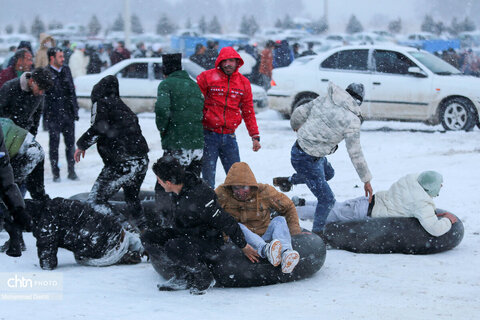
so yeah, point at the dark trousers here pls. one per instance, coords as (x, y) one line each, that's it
(67, 129)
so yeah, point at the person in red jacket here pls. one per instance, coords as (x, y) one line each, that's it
(228, 100)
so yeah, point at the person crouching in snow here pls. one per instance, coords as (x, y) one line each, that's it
(252, 205)
(120, 143)
(94, 238)
(410, 196)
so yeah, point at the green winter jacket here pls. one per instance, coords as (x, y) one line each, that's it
(14, 136)
(179, 112)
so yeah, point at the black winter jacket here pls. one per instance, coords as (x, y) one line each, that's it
(21, 106)
(115, 127)
(72, 225)
(61, 100)
(197, 214)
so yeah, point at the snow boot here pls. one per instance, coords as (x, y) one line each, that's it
(200, 281)
(298, 202)
(14, 244)
(290, 259)
(272, 251)
(283, 183)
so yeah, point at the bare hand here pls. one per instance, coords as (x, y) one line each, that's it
(256, 145)
(449, 216)
(368, 191)
(78, 153)
(250, 253)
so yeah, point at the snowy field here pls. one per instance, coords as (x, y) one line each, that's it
(349, 285)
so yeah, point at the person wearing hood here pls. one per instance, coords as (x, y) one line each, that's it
(46, 42)
(121, 145)
(228, 100)
(79, 61)
(95, 238)
(22, 62)
(321, 125)
(253, 205)
(409, 197)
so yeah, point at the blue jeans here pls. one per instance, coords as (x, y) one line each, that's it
(218, 145)
(314, 172)
(277, 229)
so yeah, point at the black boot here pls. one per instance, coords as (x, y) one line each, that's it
(283, 183)
(14, 245)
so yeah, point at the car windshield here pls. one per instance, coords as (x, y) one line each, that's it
(436, 65)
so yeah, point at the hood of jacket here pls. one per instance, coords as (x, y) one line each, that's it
(342, 98)
(24, 81)
(107, 87)
(240, 174)
(228, 53)
(44, 38)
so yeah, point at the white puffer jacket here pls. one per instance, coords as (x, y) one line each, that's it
(324, 122)
(407, 198)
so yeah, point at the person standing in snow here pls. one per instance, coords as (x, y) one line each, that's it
(120, 143)
(321, 125)
(96, 239)
(178, 115)
(410, 196)
(252, 205)
(195, 233)
(120, 53)
(266, 64)
(61, 112)
(46, 42)
(22, 62)
(79, 61)
(228, 100)
(199, 56)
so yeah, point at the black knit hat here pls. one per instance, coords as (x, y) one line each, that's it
(171, 63)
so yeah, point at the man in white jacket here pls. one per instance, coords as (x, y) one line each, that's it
(410, 196)
(321, 125)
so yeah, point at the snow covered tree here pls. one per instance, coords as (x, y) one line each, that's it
(428, 24)
(254, 27)
(214, 26)
(278, 23)
(468, 25)
(37, 27)
(136, 24)
(288, 22)
(395, 26)
(202, 25)
(165, 26)
(22, 28)
(244, 28)
(319, 26)
(248, 25)
(354, 25)
(118, 24)
(55, 25)
(9, 29)
(188, 24)
(94, 26)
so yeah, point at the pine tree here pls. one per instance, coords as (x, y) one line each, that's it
(428, 24)
(188, 24)
(9, 29)
(288, 22)
(202, 25)
(136, 24)
(244, 28)
(37, 27)
(118, 24)
(55, 25)
(214, 26)
(254, 27)
(468, 25)
(319, 26)
(395, 26)
(354, 25)
(22, 28)
(165, 26)
(94, 26)
(278, 24)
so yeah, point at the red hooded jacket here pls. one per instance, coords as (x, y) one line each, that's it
(228, 99)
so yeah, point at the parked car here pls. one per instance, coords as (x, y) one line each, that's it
(401, 83)
(139, 79)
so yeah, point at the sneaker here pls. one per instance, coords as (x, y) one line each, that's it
(290, 259)
(273, 252)
(73, 176)
(173, 284)
(197, 291)
(283, 183)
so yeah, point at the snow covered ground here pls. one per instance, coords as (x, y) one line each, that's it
(349, 285)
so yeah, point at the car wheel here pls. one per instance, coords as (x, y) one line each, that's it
(457, 114)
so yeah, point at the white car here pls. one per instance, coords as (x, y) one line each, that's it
(138, 81)
(401, 83)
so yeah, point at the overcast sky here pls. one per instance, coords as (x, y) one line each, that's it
(373, 14)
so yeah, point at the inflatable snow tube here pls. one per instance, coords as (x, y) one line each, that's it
(390, 235)
(230, 267)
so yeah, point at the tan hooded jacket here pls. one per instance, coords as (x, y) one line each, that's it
(41, 58)
(254, 213)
